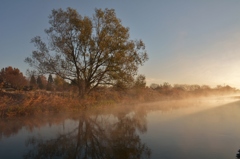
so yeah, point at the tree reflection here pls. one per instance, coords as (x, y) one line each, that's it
(96, 137)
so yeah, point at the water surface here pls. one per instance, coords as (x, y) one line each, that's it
(197, 128)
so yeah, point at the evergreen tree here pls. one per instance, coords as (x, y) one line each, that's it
(50, 82)
(50, 79)
(39, 83)
(33, 81)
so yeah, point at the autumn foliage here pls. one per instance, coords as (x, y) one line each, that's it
(12, 77)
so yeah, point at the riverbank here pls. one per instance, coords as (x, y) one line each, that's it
(37, 102)
(43, 102)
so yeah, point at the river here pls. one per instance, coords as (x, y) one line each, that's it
(197, 128)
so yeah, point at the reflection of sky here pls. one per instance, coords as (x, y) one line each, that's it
(209, 133)
(192, 42)
(13, 143)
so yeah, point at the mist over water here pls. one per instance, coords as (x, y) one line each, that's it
(196, 128)
(192, 132)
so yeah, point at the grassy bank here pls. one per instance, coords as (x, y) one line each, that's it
(42, 102)
(37, 102)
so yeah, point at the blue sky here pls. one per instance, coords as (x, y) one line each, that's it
(188, 41)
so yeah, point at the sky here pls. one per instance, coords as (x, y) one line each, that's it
(188, 41)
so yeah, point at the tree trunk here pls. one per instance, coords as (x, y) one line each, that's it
(81, 89)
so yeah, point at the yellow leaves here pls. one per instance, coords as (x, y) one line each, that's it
(59, 81)
(91, 48)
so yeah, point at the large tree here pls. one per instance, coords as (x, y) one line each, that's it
(92, 51)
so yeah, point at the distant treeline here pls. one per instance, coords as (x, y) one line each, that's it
(181, 90)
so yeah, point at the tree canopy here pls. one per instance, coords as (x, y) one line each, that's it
(90, 51)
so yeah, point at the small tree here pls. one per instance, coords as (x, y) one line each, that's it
(50, 83)
(91, 50)
(40, 83)
(50, 79)
(140, 81)
(33, 81)
(60, 83)
(154, 86)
